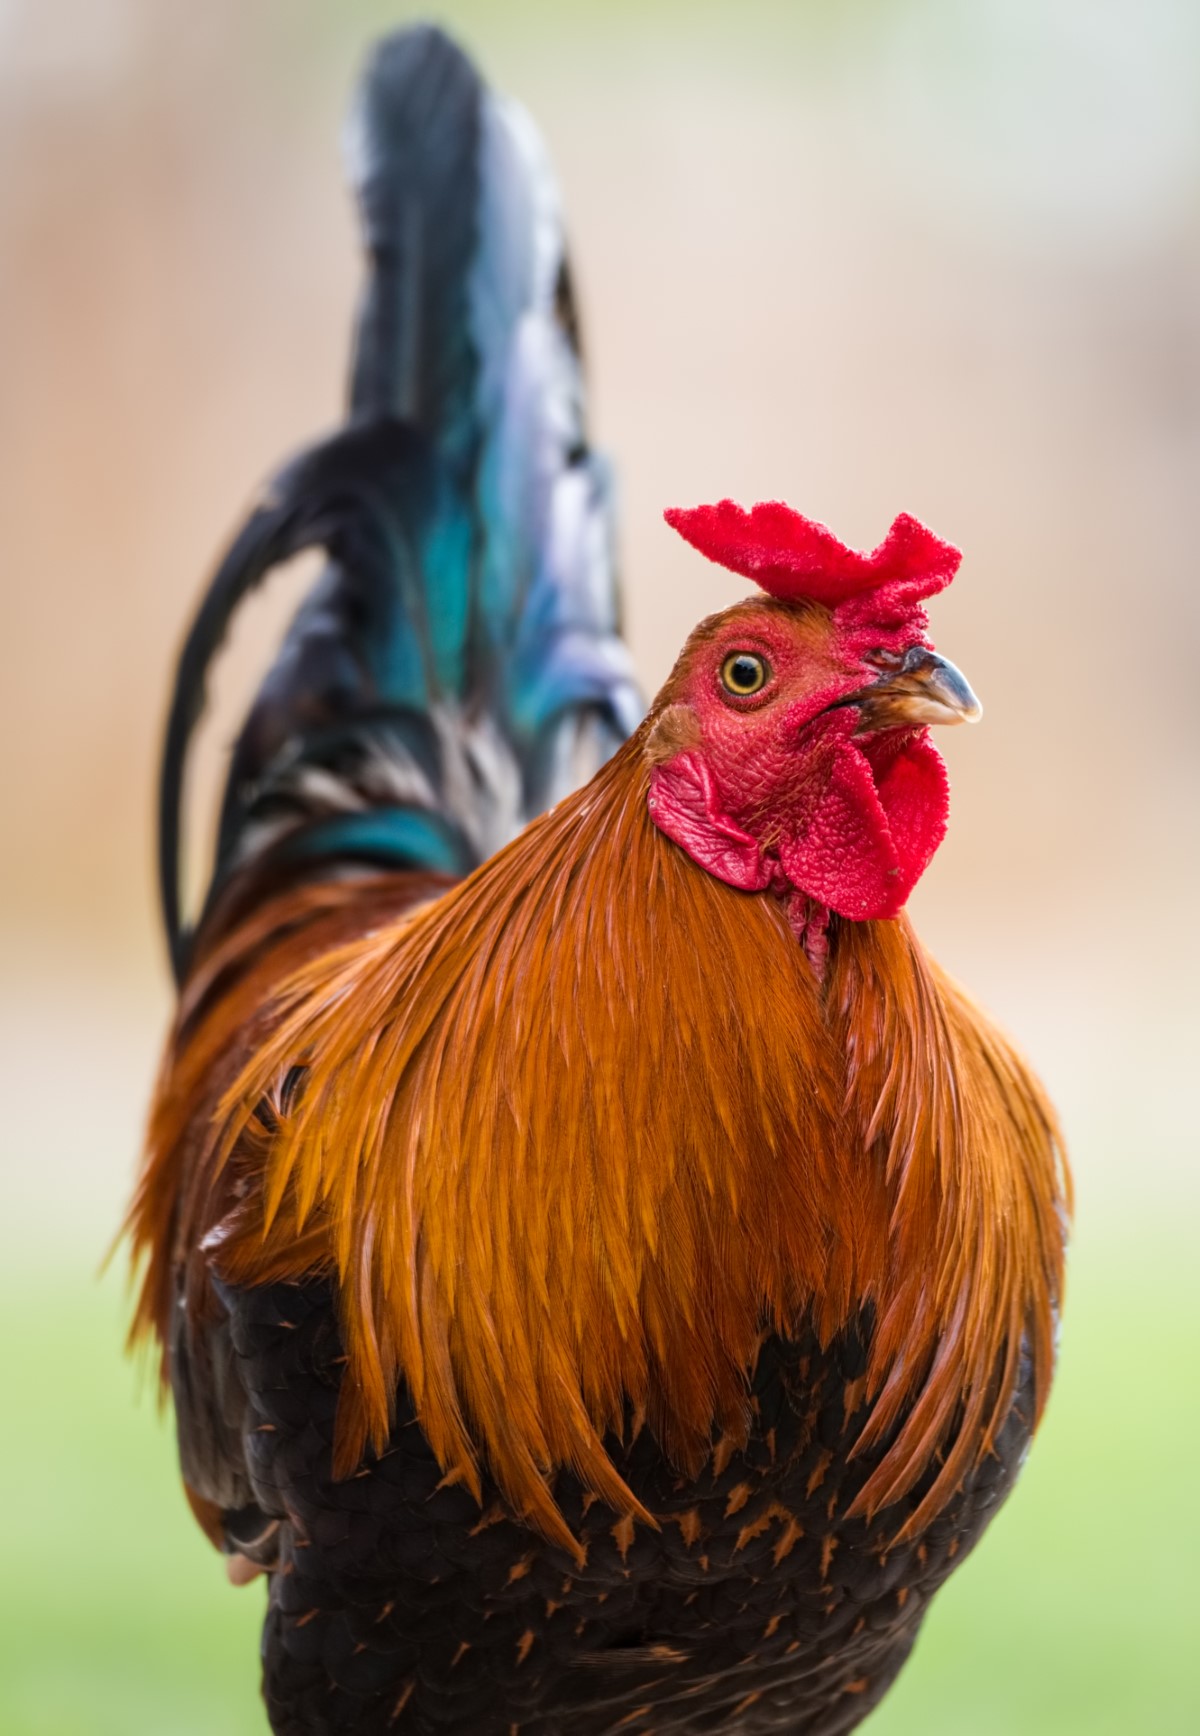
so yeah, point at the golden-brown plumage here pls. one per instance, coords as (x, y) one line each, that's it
(576, 1132)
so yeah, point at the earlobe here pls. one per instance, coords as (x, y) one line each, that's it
(684, 805)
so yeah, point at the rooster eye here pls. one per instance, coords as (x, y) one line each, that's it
(743, 673)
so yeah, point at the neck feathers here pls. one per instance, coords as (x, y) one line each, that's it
(575, 1134)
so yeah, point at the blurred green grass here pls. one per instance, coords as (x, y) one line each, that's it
(1075, 1617)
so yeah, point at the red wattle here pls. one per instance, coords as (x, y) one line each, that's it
(870, 836)
(859, 846)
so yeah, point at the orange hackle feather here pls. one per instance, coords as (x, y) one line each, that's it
(572, 1135)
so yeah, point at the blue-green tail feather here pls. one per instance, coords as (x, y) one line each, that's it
(459, 664)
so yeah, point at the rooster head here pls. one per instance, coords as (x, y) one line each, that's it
(790, 747)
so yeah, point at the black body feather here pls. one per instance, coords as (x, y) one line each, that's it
(397, 1606)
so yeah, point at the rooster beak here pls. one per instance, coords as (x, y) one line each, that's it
(925, 689)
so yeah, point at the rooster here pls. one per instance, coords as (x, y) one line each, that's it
(606, 1274)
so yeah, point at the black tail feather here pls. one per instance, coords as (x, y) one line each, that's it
(413, 149)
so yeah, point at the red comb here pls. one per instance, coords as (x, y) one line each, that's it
(795, 558)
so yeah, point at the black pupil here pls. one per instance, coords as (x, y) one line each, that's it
(743, 672)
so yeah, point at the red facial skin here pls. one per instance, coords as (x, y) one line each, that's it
(776, 790)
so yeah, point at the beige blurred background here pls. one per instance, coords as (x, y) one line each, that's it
(884, 255)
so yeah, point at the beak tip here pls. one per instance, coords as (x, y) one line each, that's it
(951, 689)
